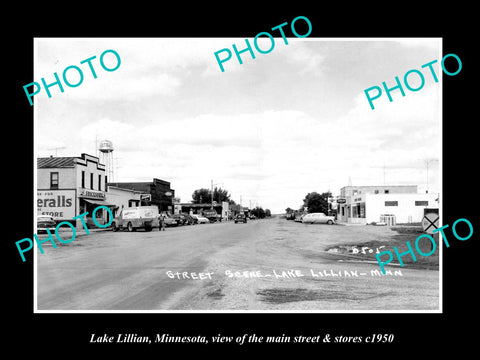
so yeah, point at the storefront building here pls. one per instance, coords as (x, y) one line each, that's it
(122, 198)
(161, 193)
(69, 186)
(372, 204)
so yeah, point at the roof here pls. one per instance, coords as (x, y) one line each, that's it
(56, 162)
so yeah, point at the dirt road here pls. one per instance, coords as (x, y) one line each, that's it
(263, 265)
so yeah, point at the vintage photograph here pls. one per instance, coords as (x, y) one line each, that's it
(268, 174)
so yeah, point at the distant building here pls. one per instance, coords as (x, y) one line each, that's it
(161, 193)
(225, 210)
(367, 204)
(69, 186)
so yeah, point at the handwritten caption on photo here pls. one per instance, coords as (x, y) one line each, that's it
(278, 274)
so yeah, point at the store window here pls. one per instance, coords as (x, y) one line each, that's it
(91, 181)
(83, 179)
(387, 191)
(391, 203)
(54, 180)
(100, 182)
(358, 210)
(421, 203)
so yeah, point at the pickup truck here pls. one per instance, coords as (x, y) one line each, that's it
(140, 217)
(210, 215)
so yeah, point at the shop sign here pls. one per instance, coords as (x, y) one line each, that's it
(341, 201)
(91, 194)
(60, 204)
(146, 197)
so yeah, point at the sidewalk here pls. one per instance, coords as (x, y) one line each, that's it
(66, 232)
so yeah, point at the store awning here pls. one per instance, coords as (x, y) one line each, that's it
(100, 202)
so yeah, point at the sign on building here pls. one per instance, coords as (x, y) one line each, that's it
(91, 194)
(60, 204)
(146, 197)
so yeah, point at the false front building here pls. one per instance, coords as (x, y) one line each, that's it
(160, 192)
(69, 186)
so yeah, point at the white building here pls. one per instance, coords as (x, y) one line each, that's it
(122, 198)
(368, 204)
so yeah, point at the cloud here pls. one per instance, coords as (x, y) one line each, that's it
(271, 156)
(306, 59)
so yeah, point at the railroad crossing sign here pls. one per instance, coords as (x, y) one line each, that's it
(430, 222)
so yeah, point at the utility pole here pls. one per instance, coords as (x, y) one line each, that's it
(212, 189)
(427, 161)
(384, 173)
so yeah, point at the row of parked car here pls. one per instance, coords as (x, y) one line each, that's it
(184, 219)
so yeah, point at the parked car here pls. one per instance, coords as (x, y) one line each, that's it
(210, 215)
(290, 216)
(179, 218)
(45, 222)
(190, 220)
(169, 221)
(240, 218)
(318, 218)
(201, 219)
(252, 217)
(299, 217)
(139, 217)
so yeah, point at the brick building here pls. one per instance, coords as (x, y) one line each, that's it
(161, 192)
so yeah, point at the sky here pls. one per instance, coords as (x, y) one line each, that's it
(270, 130)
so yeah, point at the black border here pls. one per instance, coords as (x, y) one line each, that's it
(414, 333)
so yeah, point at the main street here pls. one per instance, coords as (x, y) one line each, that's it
(271, 264)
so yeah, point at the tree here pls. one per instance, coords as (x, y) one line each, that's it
(268, 213)
(288, 210)
(315, 202)
(258, 212)
(202, 196)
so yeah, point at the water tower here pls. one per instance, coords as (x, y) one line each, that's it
(106, 157)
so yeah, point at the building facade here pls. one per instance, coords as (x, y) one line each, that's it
(122, 198)
(369, 204)
(160, 190)
(69, 186)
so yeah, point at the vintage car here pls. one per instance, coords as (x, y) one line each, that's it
(318, 218)
(201, 219)
(240, 218)
(45, 222)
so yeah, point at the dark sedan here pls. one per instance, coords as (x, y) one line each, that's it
(45, 222)
(240, 218)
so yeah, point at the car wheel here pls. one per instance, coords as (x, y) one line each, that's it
(329, 222)
(114, 227)
(129, 227)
